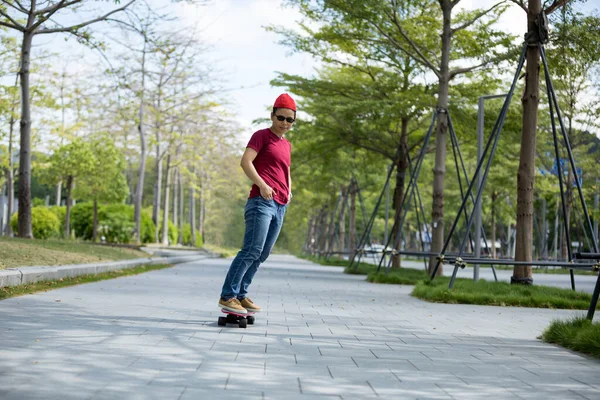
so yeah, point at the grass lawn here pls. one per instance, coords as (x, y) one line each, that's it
(466, 291)
(398, 276)
(14, 291)
(223, 252)
(579, 334)
(16, 252)
(549, 270)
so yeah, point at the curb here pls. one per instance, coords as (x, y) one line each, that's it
(24, 275)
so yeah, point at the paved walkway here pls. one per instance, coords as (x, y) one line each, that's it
(325, 335)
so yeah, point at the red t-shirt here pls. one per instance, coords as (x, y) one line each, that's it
(272, 163)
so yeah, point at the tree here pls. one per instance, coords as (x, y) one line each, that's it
(526, 172)
(68, 163)
(31, 20)
(104, 181)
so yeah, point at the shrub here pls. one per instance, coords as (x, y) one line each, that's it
(82, 219)
(60, 212)
(115, 222)
(147, 227)
(44, 223)
(187, 236)
(37, 202)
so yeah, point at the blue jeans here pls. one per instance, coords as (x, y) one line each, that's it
(264, 219)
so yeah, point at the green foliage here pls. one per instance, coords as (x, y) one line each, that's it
(44, 223)
(579, 334)
(187, 236)
(103, 181)
(466, 291)
(37, 202)
(69, 161)
(147, 227)
(115, 222)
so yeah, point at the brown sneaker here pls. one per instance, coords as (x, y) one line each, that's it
(249, 305)
(233, 305)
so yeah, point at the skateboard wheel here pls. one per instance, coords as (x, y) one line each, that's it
(222, 321)
(243, 322)
(250, 320)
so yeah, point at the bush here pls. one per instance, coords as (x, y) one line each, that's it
(187, 236)
(82, 219)
(147, 227)
(44, 223)
(37, 202)
(173, 231)
(115, 222)
(60, 212)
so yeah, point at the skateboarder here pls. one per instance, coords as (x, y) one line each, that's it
(266, 162)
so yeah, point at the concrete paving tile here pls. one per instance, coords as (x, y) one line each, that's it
(137, 337)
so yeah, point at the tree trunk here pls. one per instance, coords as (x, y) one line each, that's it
(139, 193)
(157, 193)
(175, 196)
(69, 184)
(342, 222)
(181, 203)
(192, 214)
(25, 143)
(10, 173)
(401, 169)
(95, 226)
(526, 173)
(165, 220)
(352, 217)
(201, 210)
(441, 137)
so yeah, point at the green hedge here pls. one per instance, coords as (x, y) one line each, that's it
(115, 222)
(187, 236)
(44, 223)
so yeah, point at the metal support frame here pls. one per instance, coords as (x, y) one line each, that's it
(491, 146)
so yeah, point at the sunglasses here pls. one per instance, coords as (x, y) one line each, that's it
(282, 118)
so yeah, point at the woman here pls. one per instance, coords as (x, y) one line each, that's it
(266, 162)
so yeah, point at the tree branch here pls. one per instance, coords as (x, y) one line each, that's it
(464, 70)
(83, 24)
(50, 13)
(20, 8)
(6, 24)
(52, 9)
(556, 4)
(476, 18)
(520, 4)
(15, 24)
(424, 60)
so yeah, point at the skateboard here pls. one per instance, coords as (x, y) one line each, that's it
(235, 318)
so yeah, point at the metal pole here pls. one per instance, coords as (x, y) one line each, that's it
(596, 200)
(478, 210)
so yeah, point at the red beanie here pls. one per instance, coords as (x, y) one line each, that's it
(285, 101)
